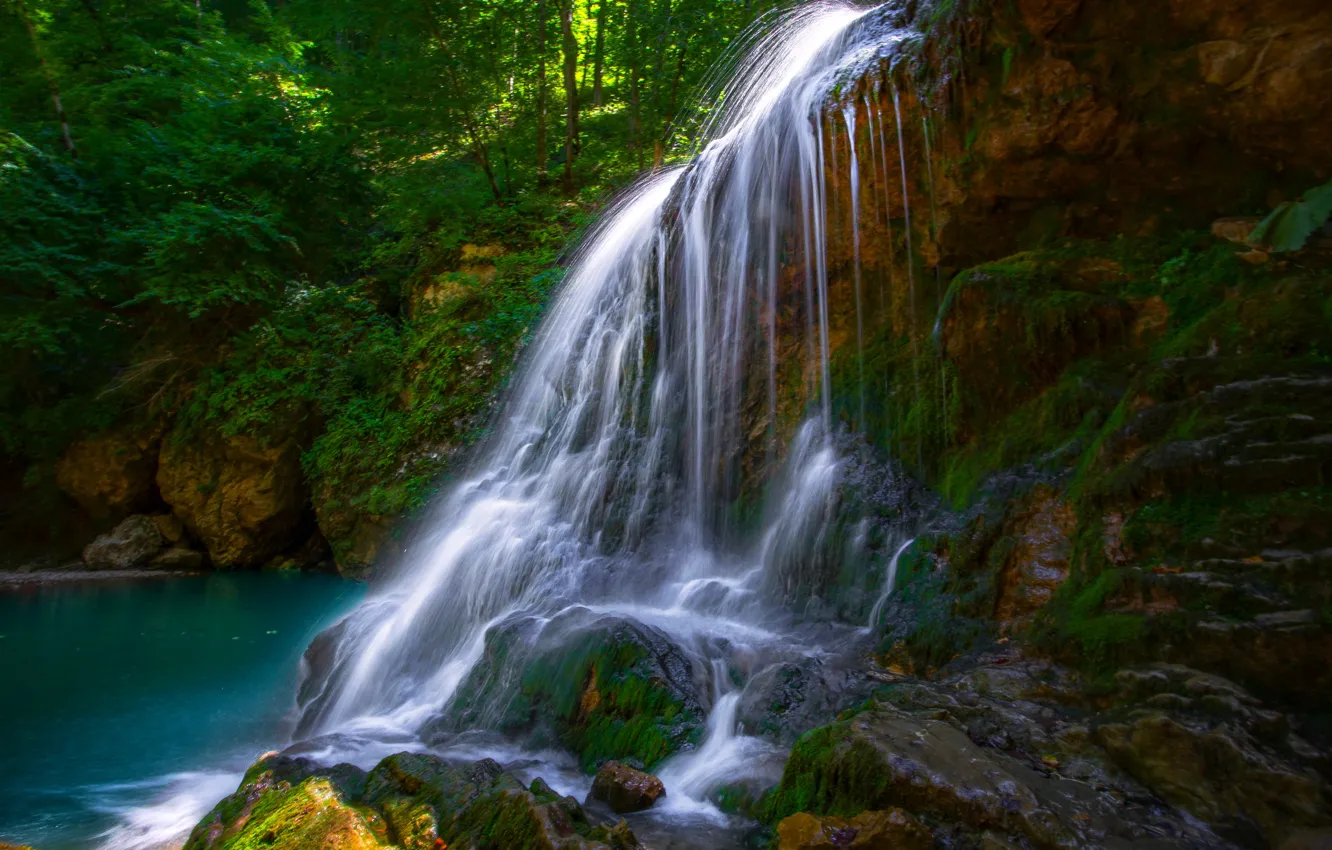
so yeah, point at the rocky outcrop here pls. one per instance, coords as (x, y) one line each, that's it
(410, 801)
(133, 543)
(242, 497)
(1206, 745)
(1017, 750)
(883, 830)
(625, 789)
(114, 474)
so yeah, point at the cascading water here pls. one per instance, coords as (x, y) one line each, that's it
(647, 408)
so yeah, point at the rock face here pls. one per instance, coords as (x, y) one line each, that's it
(133, 543)
(1012, 750)
(626, 789)
(409, 801)
(242, 497)
(883, 830)
(1206, 745)
(783, 701)
(114, 474)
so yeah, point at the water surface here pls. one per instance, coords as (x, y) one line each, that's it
(119, 694)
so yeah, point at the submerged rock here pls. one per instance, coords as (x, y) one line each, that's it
(131, 544)
(626, 789)
(893, 829)
(412, 801)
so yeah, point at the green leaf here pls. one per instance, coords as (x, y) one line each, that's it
(1291, 224)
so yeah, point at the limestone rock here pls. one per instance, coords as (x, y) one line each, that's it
(358, 539)
(170, 527)
(893, 829)
(626, 789)
(241, 496)
(177, 558)
(112, 475)
(1216, 773)
(133, 543)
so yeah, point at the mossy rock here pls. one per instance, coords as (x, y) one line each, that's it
(411, 801)
(605, 687)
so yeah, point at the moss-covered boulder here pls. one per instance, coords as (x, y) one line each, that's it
(411, 801)
(603, 686)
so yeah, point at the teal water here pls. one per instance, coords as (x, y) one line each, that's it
(117, 695)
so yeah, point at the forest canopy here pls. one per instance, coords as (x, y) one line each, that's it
(222, 210)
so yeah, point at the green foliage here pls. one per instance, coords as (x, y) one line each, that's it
(239, 211)
(1289, 226)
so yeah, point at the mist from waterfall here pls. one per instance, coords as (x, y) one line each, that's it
(647, 407)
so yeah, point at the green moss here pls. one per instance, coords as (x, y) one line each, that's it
(827, 774)
(307, 816)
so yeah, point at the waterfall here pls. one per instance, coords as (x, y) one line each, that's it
(647, 406)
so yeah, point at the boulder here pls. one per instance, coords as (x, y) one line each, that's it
(112, 475)
(410, 800)
(242, 497)
(784, 700)
(133, 543)
(893, 829)
(626, 789)
(602, 686)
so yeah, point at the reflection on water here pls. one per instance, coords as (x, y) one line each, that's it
(116, 692)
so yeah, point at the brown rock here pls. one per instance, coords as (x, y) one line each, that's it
(357, 539)
(1041, 16)
(626, 789)
(178, 559)
(131, 544)
(112, 475)
(1315, 839)
(240, 496)
(892, 829)
(170, 527)
(1039, 563)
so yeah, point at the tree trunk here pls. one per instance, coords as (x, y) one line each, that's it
(571, 91)
(599, 62)
(542, 154)
(50, 79)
